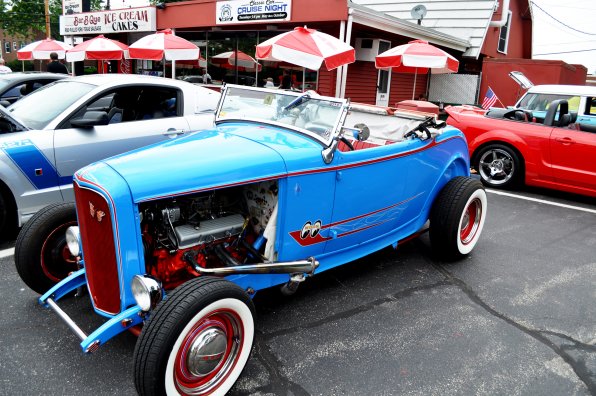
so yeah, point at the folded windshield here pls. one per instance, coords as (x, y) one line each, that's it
(310, 113)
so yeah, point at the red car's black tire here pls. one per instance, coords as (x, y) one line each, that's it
(499, 156)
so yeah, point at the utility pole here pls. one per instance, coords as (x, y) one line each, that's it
(46, 3)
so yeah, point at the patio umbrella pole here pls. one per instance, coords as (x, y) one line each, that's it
(303, 78)
(173, 61)
(236, 60)
(414, 89)
(257, 66)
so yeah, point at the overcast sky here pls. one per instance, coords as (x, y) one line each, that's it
(551, 36)
(572, 27)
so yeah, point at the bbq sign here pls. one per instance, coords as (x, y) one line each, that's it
(250, 11)
(141, 19)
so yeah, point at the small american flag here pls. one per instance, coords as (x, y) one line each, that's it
(489, 99)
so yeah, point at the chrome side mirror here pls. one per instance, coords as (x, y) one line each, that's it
(360, 132)
(329, 151)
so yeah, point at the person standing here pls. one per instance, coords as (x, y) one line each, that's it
(286, 80)
(206, 77)
(4, 68)
(269, 83)
(55, 66)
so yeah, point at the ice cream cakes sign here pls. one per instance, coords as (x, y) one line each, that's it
(246, 11)
(141, 19)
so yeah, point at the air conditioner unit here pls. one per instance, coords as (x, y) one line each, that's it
(367, 49)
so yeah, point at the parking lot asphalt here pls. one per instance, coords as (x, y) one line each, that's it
(516, 317)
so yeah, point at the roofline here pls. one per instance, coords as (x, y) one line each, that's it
(369, 17)
(563, 89)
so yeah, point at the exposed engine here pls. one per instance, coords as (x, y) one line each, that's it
(217, 228)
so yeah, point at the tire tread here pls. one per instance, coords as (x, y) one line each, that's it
(169, 315)
(30, 240)
(450, 201)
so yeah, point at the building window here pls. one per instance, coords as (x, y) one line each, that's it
(504, 35)
(14, 45)
(22, 44)
(7, 47)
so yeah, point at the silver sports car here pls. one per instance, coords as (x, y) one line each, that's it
(46, 136)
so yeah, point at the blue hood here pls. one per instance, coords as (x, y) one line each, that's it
(226, 155)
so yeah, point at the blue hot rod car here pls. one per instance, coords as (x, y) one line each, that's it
(179, 236)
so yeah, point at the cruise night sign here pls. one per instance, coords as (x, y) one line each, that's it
(251, 11)
(140, 19)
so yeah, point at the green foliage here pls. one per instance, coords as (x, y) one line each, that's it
(26, 18)
(17, 65)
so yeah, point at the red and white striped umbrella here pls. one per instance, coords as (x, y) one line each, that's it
(417, 56)
(191, 63)
(164, 44)
(229, 60)
(98, 48)
(308, 48)
(42, 50)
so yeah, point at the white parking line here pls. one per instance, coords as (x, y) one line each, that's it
(6, 252)
(506, 194)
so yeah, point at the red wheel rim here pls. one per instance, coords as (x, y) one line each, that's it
(56, 260)
(200, 374)
(470, 221)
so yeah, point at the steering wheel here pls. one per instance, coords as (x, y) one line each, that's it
(347, 142)
(516, 115)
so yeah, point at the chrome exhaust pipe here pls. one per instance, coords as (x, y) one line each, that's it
(307, 266)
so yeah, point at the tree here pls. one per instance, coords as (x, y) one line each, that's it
(26, 18)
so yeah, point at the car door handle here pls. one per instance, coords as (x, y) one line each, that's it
(173, 132)
(565, 140)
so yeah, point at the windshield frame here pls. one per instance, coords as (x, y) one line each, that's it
(41, 96)
(342, 104)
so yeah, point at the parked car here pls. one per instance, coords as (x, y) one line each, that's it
(581, 100)
(66, 125)
(13, 86)
(193, 79)
(242, 80)
(510, 146)
(274, 193)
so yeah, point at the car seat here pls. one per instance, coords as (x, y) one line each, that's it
(116, 113)
(550, 119)
(568, 119)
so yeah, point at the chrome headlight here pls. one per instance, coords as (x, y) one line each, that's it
(73, 240)
(147, 291)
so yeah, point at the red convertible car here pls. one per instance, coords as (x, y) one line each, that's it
(511, 146)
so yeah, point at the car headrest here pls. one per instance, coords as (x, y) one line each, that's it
(118, 101)
(553, 107)
(564, 120)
